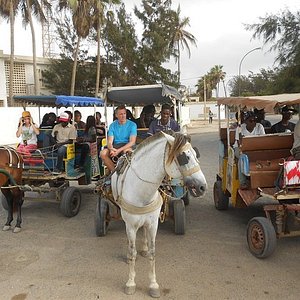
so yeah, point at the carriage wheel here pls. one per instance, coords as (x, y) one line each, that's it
(4, 201)
(101, 222)
(261, 237)
(221, 200)
(70, 201)
(179, 216)
(186, 198)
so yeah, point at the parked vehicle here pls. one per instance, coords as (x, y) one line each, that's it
(262, 160)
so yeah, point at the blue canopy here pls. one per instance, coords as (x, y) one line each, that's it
(60, 101)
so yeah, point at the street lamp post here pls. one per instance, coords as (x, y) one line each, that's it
(240, 67)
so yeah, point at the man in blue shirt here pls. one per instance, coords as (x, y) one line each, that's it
(165, 123)
(121, 138)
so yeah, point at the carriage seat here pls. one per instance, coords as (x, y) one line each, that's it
(264, 154)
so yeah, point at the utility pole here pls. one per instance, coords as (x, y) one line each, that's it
(204, 97)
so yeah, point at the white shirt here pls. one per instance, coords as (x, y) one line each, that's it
(257, 130)
(296, 135)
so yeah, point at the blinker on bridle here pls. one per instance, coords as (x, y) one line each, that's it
(183, 159)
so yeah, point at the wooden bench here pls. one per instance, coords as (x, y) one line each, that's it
(265, 153)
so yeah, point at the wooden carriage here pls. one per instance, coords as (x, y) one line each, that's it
(265, 161)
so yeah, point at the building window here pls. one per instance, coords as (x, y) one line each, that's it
(19, 82)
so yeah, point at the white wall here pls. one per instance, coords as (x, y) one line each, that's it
(9, 118)
(2, 81)
(197, 110)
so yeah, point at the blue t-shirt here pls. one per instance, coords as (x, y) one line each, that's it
(122, 132)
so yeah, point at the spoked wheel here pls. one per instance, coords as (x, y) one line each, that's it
(261, 237)
(179, 216)
(101, 222)
(221, 200)
(70, 201)
(3, 201)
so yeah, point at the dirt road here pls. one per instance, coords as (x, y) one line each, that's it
(59, 258)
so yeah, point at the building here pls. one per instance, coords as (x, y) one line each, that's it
(23, 76)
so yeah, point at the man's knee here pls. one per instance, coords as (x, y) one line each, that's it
(104, 153)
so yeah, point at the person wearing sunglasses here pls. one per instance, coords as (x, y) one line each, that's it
(28, 132)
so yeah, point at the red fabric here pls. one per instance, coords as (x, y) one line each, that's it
(26, 150)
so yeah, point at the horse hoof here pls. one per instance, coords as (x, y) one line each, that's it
(6, 228)
(17, 229)
(129, 290)
(144, 253)
(154, 293)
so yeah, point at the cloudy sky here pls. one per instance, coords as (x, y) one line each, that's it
(218, 28)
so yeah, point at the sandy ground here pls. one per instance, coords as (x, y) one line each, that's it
(55, 257)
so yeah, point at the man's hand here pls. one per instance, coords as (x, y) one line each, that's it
(114, 152)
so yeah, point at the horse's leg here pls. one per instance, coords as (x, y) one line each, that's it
(144, 251)
(153, 287)
(9, 199)
(131, 235)
(19, 202)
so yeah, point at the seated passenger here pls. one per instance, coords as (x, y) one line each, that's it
(28, 132)
(129, 115)
(48, 122)
(64, 133)
(89, 136)
(121, 138)
(146, 116)
(248, 128)
(285, 125)
(100, 126)
(260, 117)
(165, 123)
(79, 124)
(296, 145)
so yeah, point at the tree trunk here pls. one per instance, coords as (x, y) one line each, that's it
(12, 55)
(74, 68)
(35, 72)
(178, 64)
(98, 56)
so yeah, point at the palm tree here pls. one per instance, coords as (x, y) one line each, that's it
(83, 19)
(29, 7)
(217, 75)
(8, 11)
(180, 39)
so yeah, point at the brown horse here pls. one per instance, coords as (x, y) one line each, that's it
(11, 164)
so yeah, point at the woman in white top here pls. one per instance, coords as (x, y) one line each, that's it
(28, 132)
(249, 127)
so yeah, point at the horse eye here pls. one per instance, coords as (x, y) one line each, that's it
(183, 159)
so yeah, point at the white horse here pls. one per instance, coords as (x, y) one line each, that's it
(136, 192)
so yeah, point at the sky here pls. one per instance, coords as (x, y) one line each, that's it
(218, 26)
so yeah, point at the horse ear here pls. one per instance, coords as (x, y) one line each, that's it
(169, 138)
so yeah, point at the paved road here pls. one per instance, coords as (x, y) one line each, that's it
(59, 258)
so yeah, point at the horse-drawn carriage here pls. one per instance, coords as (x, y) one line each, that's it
(265, 161)
(23, 175)
(173, 192)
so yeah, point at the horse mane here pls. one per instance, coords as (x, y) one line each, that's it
(179, 142)
(148, 141)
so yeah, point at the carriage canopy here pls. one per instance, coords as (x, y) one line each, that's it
(268, 102)
(60, 101)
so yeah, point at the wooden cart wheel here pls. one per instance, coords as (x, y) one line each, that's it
(101, 222)
(4, 201)
(261, 237)
(221, 200)
(70, 201)
(179, 216)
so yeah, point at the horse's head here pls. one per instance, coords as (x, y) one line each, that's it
(182, 162)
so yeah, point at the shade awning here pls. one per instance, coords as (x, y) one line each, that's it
(60, 101)
(143, 94)
(268, 102)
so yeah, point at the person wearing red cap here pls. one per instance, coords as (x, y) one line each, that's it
(28, 132)
(64, 133)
